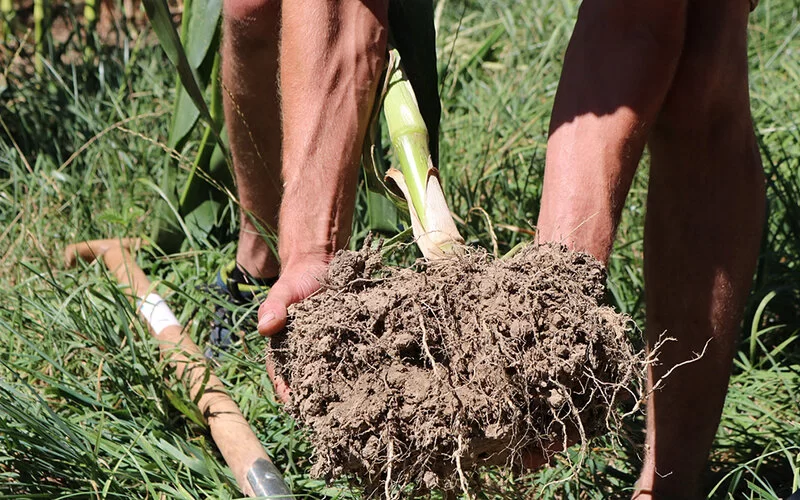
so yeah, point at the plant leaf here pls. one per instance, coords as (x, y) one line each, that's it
(184, 118)
(203, 21)
(161, 20)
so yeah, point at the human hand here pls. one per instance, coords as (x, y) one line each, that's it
(536, 457)
(295, 284)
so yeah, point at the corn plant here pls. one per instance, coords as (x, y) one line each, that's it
(39, 7)
(417, 179)
(195, 208)
(90, 13)
(192, 210)
(7, 23)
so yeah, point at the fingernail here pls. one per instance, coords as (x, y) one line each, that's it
(265, 320)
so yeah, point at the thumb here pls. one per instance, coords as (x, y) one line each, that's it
(272, 312)
(293, 286)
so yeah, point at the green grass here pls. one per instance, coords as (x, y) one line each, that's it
(84, 410)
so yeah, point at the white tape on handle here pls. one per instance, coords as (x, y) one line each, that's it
(157, 313)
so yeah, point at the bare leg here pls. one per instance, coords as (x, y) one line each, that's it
(629, 51)
(704, 216)
(332, 56)
(252, 112)
(617, 70)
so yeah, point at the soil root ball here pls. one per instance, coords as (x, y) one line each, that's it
(421, 376)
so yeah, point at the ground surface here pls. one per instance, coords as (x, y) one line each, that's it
(83, 409)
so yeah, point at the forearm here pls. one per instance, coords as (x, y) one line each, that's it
(331, 59)
(629, 52)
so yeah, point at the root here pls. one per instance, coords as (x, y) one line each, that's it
(389, 460)
(461, 477)
(425, 340)
(405, 376)
(660, 382)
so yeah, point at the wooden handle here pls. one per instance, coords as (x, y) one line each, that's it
(230, 430)
(235, 439)
(88, 251)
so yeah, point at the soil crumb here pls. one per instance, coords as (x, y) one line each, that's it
(423, 375)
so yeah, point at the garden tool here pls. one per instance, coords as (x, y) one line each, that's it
(241, 449)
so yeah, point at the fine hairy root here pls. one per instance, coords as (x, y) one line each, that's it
(423, 375)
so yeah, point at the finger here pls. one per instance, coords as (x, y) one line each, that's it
(281, 388)
(537, 457)
(291, 287)
(272, 312)
(534, 460)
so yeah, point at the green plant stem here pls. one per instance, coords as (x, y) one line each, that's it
(90, 13)
(408, 134)
(90, 18)
(7, 12)
(38, 32)
(208, 141)
(187, 9)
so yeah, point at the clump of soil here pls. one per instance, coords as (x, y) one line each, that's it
(421, 376)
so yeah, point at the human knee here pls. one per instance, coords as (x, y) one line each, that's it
(656, 27)
(709, 97)
(714, 122)
(253, 19)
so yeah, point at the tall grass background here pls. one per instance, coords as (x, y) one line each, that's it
(84, 409)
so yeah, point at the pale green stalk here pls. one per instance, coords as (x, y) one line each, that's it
(89, 13)
(38, 32)
(408, 133)
(193, 186)
(7, 13)
(434, 228)
(90, 21)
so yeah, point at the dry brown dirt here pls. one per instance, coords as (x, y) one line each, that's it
(422, 375)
